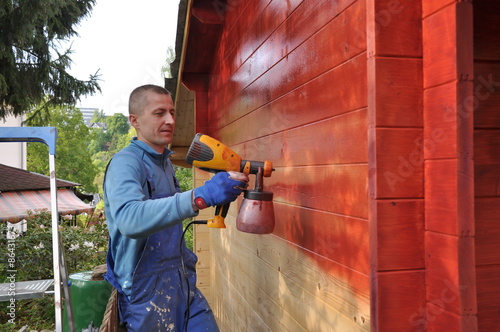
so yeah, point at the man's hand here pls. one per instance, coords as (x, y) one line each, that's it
(223, 188)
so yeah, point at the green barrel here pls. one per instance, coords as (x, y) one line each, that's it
(88, 298)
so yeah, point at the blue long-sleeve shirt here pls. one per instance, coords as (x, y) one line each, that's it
(130, 214)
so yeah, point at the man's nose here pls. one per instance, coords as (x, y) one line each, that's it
(169, 119)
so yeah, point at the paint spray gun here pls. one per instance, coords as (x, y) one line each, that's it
(256, 213)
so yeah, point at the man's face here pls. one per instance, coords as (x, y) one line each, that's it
(155, 125)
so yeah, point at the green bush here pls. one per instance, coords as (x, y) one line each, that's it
(85, 247)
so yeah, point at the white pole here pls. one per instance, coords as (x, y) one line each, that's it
(55, 242)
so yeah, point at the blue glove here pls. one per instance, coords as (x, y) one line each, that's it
(219, 190)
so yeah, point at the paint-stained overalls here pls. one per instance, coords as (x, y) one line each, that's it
(159, 296)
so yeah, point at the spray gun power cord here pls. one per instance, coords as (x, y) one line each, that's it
(184, 272)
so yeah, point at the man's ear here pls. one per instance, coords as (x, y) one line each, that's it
(132, 118)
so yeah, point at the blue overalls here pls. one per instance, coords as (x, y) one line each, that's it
(159, 296)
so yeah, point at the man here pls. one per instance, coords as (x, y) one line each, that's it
(148, 262)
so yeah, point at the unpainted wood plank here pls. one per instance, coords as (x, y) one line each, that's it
(487, 246)
(450, 273)
(328, 281)
(340, 189)
(339, 238)
(399, 235)
(400, 301)
(202, 242)
(398, 28)
(232, 311)
(488, 293)
(398, 167)
(256, 301)
(449, 193)
(399, 98)
(310, 312)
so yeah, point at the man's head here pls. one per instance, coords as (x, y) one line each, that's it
(151, 113)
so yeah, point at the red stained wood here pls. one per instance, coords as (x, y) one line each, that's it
(431, 6)
(399, 236)
(397, 169)
(398, 28)
(488, 288)
(487, 212)
(398, 101)
(450, 275)
(335, 189)
(339, 238)
(486, 94)
(448, 45)
(338, 140)
(310, 99)
(401, 301)
(439, 320)
(275, 70)
(486, 30)
(449, 197)
(448, 120)
(487, 147)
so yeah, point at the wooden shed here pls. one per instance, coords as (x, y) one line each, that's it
(382, 119)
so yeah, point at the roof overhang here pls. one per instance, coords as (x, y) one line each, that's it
(199, 27)
(18, 205)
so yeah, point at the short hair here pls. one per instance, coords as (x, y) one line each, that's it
(137, 98)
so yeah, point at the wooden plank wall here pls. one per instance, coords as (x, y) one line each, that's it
(396, 176)
(487, 161)
(289, 85)
(448, 154)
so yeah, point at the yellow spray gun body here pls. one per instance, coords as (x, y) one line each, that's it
(211, 155)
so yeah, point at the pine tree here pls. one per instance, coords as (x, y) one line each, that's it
(33, 71)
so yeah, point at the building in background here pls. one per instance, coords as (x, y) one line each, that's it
(13, 154)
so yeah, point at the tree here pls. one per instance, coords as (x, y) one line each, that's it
(73, 158)
(32, 69)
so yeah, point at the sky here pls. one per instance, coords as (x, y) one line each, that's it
(127, 42)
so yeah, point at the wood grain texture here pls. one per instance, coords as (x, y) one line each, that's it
(439, 320)
(339, 238)
(401, 301)
(447, 38)
(294, 280)
(487, 212)
(430, 7)
(397, 168)
(398, 28)
(450, 275)
(449, 204)
(488, 288)
(336, 189)
(399, 100)
(486, 94)
(486, 30)
(399, 235)
(285, 61)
